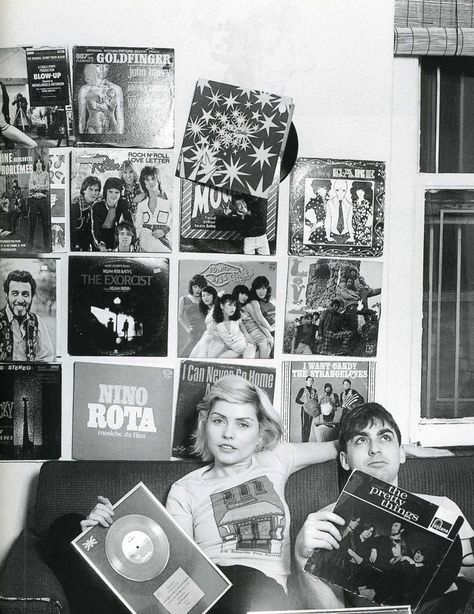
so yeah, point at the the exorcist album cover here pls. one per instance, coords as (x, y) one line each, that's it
(124, 96)
(118, 306)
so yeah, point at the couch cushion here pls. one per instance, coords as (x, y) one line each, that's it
(73, 486)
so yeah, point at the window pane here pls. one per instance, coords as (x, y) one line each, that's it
(448, 305)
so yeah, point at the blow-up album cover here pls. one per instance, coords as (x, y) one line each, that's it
(315, 395)
(148, 561)
(195, 379)
(226, 309)
(121, 412)
(124, 96)
(25, 210)
(235, 137)
(34, 97)
(138, 183)
(28, 293)
(215, 220)
(393, 544)
(337, 207)
(333, 307)
(30, 411)
(118, 306)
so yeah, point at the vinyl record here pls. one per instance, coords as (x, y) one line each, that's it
(290, 153)
(137, 547)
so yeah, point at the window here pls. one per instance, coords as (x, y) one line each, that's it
(448, 305)
(447, 115)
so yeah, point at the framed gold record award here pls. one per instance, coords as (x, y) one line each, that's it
(148, 561)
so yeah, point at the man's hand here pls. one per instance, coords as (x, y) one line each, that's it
(320, 530)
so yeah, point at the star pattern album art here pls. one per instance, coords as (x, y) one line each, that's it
(235, 137)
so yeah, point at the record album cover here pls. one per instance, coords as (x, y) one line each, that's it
(333, 307)
(121, 412)
(118, 306)
(25, 211)
(206, 329)
(393, 544)
(35, 97)
(144, 181)
(124, 96)
(316, 394)
(337, 207)
(195, 379)
(148, 561)
(59, 168)
(30, 411)
(401, 609)
(216, 220)
(28, 293)
(235, 137)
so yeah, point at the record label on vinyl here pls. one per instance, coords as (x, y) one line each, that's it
(137, 547)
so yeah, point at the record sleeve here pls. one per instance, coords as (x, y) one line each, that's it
(59, 168)
(316, 394)
(121, 412)
(201, 284)
(118, 306)
(393, 544)
(124, 96)
(128, 170)
(337, 208)
(235, 138)
(148, 561)
(30, 411)
(338, 298)
(216, 220)
(195, 379)
(35, 96)
(25, 210)
(28, 292)
(402, 609)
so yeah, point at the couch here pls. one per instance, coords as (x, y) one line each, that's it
(28, 585)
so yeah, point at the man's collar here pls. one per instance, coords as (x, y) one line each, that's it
(11, 317)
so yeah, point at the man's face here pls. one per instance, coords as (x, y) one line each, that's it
(124, 240)
(309, 381)
(19, 298)
(374, 450)
(240, 205)
(91, 193)
(396, 528)
(346, 385)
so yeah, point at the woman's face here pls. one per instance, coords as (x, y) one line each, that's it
(243, 298)
(354, 523)
(360, 193)
(151, 183)
(418, 557)
(113, 196)
(207, 298)
(128, 176)
(367, 533)
(39, 166)
(228, 308)
(102, 70)
(232, 432)
(124, 240)
(196, 290)
(322, 192)
(261, 292)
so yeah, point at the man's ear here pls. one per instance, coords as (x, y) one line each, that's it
(402, 455)
(343, 460)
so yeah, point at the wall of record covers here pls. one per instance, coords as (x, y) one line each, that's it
(334, 61)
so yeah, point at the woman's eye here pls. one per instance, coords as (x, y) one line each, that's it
(244, 425)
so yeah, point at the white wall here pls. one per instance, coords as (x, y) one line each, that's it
(333, 57)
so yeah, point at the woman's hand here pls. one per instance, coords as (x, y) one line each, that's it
(101, 514)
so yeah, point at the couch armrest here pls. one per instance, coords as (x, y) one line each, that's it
(27, 584)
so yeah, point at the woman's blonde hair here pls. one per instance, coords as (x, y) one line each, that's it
(236, 389)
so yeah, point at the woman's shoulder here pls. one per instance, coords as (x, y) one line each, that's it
(191, 478)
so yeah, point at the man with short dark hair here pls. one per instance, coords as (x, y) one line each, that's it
(370, 441)
(331, 331)
(307, 398)
(23, 334)
(350, 398)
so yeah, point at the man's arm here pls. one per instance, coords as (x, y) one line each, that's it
(320, 530)
(45, 351)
